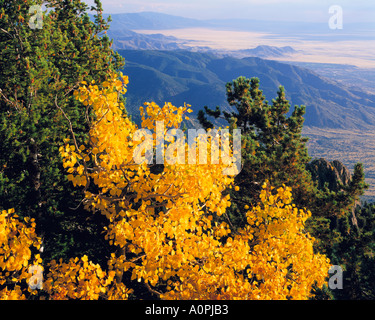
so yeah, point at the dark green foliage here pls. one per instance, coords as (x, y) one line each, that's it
(344, 230)
(355, 254)
(39, 70)
(330, 207)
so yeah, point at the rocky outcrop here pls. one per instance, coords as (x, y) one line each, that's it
(334, 173)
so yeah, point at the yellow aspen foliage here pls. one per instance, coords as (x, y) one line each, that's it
(81, 279)
(166, 225)
(16, 241)
(77, 279)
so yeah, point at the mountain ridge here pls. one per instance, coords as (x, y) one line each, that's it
(153, 21)
(199, 79)
(300, 29)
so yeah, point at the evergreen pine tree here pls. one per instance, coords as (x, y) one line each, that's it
(39, 69)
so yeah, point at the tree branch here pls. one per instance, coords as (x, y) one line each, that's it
(153, 291)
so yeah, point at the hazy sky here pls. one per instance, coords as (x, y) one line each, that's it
(291, 10)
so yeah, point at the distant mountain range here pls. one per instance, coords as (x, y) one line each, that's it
(199, 79)
(158, 21)
(306, 30)
(264, 51)
(123, 29)
(124, 26)
(152, 21)
(164, 68)
(130, 40)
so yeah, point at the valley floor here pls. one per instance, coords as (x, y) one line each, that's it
(347, 146)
